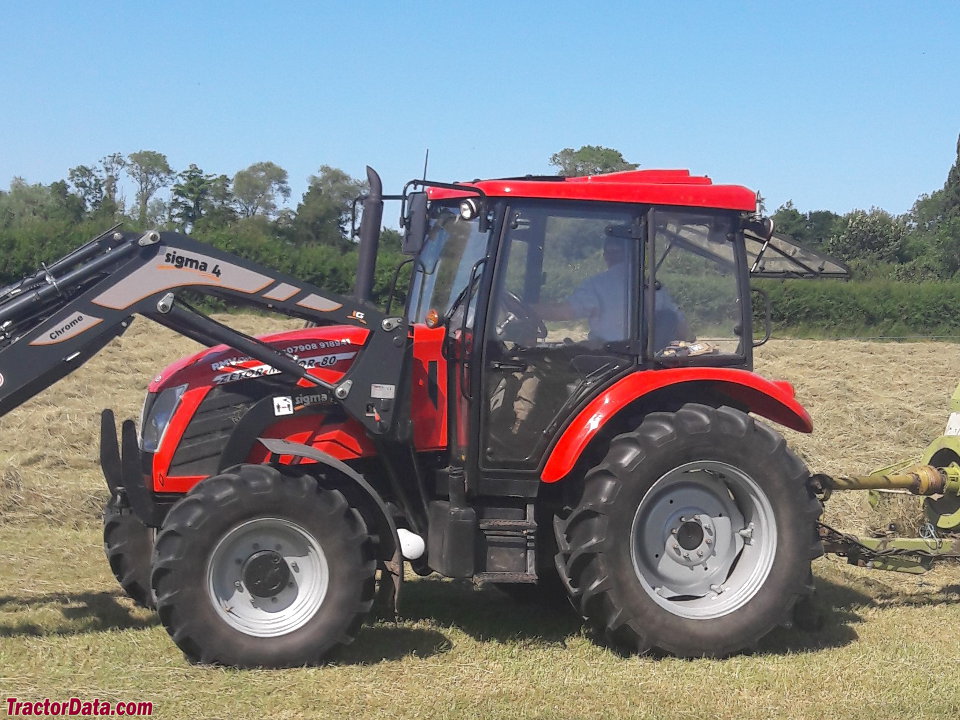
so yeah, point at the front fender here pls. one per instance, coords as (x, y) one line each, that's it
(385, 528)
(771, 399)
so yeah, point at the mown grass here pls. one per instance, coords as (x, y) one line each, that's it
(887, 649)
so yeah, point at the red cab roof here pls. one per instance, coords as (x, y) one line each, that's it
(659, 187)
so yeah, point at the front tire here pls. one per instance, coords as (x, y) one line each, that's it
(694, 535)
(257, 568)
(128, 545)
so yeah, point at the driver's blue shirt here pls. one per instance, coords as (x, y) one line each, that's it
(604, 300)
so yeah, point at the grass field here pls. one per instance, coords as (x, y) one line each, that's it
(887, 648)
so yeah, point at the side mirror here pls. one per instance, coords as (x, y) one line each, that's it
(762, 228)
(415, 223)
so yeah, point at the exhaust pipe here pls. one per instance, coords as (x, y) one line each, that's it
(369, 237)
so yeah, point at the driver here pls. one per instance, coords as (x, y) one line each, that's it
(604, 301)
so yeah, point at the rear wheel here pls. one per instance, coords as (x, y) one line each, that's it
(255, 568)
(694, 535)
(128, 545)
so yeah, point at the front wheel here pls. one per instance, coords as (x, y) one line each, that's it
(128, 545)
(256, 568)
(694, 535)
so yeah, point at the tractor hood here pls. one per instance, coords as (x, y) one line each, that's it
(327, 352)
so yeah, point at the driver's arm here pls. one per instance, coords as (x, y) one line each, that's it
(582, 303)
(555, 311)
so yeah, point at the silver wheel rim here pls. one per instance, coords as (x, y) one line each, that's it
(703, 540)
(292, 606)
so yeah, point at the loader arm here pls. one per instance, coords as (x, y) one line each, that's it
(53, 321)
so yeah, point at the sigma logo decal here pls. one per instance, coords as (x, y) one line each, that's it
(186, 262)
(172, 268)
(308, 363)
(282, 406)
(358, 316)
(314, 399)
(66, 328)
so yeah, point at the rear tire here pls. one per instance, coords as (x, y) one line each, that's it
(693, 536)
(256, 568)
(128, 545)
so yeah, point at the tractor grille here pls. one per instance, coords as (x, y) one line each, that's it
(208, 432)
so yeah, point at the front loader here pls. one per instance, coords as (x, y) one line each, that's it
(566, 403)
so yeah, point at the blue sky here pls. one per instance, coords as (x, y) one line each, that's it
(834, 105)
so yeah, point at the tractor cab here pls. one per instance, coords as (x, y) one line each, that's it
(553, 289)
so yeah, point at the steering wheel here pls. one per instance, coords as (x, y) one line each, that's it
(521, 316)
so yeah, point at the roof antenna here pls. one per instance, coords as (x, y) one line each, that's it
(426, 160)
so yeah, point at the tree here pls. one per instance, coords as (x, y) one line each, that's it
(87, 185)
(590, 160)
(790, 221)
(190, 195)
(324, 212)
(875, 236)
(821, 226)
(951, 188)
(256, 189)
(28, 204)
(812, 229)
(150, 171)
(110, 167)
(70, 206)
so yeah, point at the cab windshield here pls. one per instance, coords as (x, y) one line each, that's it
(442, 269)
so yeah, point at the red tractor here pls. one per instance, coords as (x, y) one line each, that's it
(563, 405)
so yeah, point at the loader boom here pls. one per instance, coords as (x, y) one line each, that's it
(53, 321)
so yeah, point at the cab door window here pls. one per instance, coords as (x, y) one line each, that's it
(564, 305)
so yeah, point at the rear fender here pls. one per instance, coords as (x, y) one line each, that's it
(772, 400)
(374, 509)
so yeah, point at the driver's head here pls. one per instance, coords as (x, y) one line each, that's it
(614, 251)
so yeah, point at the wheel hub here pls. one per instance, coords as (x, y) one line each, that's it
(691, 543)
(690, 535)
(265, 573)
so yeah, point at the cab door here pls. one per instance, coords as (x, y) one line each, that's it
(562, 322)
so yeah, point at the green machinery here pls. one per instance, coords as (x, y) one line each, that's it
(935, 475)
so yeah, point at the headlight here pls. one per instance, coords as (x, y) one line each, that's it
(157, 416)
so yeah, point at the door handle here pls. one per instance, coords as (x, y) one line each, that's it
(515, 366)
